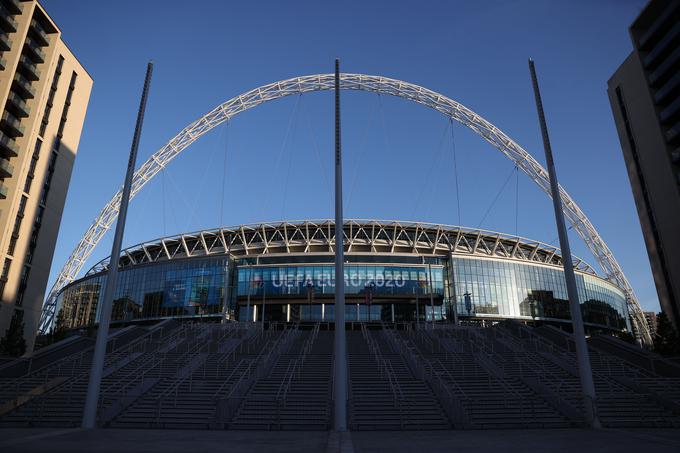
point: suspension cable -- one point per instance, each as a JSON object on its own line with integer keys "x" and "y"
{"x": 429, "y": 175}
{"x": 203, "y": 182}
{"x": 317, "y": 151}
{"x": 279, "y": 157}
{"x": 293, "y": 127}
{"x": 354, "y": 171}
{"x": 507, "y": 180}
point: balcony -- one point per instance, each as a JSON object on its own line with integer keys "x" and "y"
{"x": 6, "y": 169}
{"x": 17, "y": 105}
{"x": 11, "y": 125}
{"x": 33, "y": 50}
{"x": 8, "y": 147}
{"x": 3, "y": 191}
{"x": 7, "y": 22}
{"x": 13, "y": 6}
{"x": 3, "y": 63}
{"x": 39, "y": 34}
{"x": 28, "y": 68}
{"x": 22, "y": 86}
{"x": 5, "y": 42}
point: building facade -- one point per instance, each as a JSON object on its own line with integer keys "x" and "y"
{"x": 44, "y": 92}
{"x": 394, "y": 272}
{"x": 645, "y": 98}
{"x": 650, "y": 316}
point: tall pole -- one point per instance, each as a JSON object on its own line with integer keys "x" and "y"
{"x": 340, "y": 376}
{"x": 93, "y": 388}
{"x": 585, "y": 371}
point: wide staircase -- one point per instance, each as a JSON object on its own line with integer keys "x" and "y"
{"x": 184, "y": 396}
{"x": 55, "y": 394}
{"x": 189, "y": 375}
{"x": 623, "y": 399}
{"x": 296, "y": 392}
{"x": 384, "y": 393}
{"x": 491, "y": 394}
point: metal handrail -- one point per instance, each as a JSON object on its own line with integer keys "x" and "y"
{"x": 77, "y": 361}
{"x": 453, "y": 404}
{"x": 294, "y": 368}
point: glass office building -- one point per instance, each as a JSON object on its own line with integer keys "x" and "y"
{"x": 394, "y": 272}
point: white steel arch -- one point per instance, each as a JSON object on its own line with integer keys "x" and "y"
{"x": 361, "y": 82}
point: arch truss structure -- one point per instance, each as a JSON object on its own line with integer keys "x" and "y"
{"x": 361, "y": 236}
{"x": 360, "y": 82}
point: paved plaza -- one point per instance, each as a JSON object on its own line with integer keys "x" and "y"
{"x": 506, "y": 441}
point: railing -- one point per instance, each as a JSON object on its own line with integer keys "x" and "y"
{"x": 227, "y": 405}
{"x": 615, "y": 382}
{"x": 384, "y": 365}
{"x": 526, "y": 363}
{"x": 152, "y": 363}
{"x": 271, "y": 414}
{"x": 423, "y": 369}
{"x": 295, "y": 367}
{"x": 78, "y": 373}
{"x": 493, "y": 357}
{"x": 76, "y": 364}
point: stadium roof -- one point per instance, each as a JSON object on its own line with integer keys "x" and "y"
{"x": 361, "y": 236}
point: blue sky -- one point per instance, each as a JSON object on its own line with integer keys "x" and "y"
{"x": 398, "y": 156}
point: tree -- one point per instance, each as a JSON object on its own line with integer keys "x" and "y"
{"x": 666, "y": 341}
{"x": 60, "y": 330}
{"x": 627, "y": 337}
{"x": 14, "y": 344}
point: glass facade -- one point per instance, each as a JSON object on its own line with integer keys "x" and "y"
{"x": 170, "y": 289}
{"x": 391, "y": 291}
{"x": 359, "y": 279}
{"x": 511, "y": 289}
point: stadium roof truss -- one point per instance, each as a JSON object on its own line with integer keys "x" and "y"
{"x": 376, "y": 84}
{"x": 361, "y": 236}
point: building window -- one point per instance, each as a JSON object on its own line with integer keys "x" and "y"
{"x": 31, "y": 169}
{"x": 50, "y": 98}
{"x": 51, "y": 166}
{"x": 17, "y": 225}
{"x": 4, "y": 275}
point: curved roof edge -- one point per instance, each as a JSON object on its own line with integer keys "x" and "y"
{"x": 361, "y": 236}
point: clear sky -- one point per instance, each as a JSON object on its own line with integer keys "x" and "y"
{"x": 274, "y": 162}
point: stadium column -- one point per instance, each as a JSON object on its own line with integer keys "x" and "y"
{"x": 340, "y": 374}
{"x": 452, "y": 291}
{"x": 585, "y": 371}
{"x": 93, "y": 388}
{"x": 226, "y": 289}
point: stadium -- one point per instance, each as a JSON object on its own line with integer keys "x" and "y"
{"x": 395, "y": 272}
{"x": 445, "y": 327}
